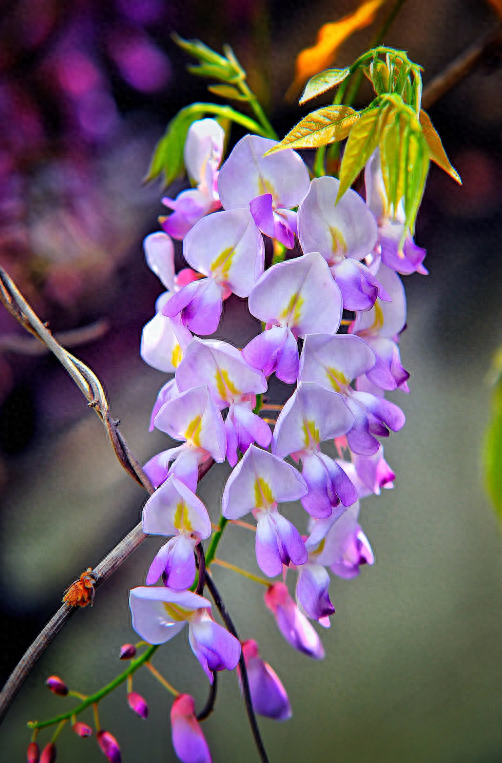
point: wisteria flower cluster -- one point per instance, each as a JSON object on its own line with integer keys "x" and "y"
{"x": 332, "y": 308}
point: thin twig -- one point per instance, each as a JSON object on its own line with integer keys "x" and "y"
{"x": 209, "y": 706}
{"x": 460, "y": 67}
{"x": 246, "y": 691}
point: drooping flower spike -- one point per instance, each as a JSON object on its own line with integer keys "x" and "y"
{"x": 380, "y": 328}
{"x": 390, "y": 222}
{"x": 257, "y": 484}
{"x": 270, "y": 186}
{"x": 203, "y": 152}
{"x": 293, "y": 298}
{"x": 189, "y": 742}
{"x": 159, "y": 614}
{"x": 292, "y": 623}
{"x": 344, "y": 232}
{"x": 174, "y": 510}
{"x": 333, "y": 362}
{"x": 231, "y": 382}
{"x": 311, "y": 416}
{"x": 267, "y": 692}
{"x": 228, "y": 249}
{"x": 191, "y": 416}
{"x": 344, "y": 547}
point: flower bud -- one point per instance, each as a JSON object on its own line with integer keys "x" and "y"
{"x": 293, "y": 625}
{"x": 109, "y": 746}
{"x": 127, "y": 651}
{"x": 138, "y": 704}
{"x": 49, "y": 753}
{"x": 82, "y": 729}
{"x": 267, "y": 692}
{"x": 188, "y": 740}
{"x": 57, "y": 686}
{"x": 33, "y": 753}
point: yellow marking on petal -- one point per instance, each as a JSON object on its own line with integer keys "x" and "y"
{"x": 181, "y": 520}
{"x": 220, "y": 267}
{"x": 336, "y": 378}
{"x": 310, "y": 433}
{"x": 224, "y": 385}
{"x": 193, "y": 430}
{"x": 292, "y": 313}
{"x": 338, "y": 243}
{"x": 263, "y": 496}
{"x": 176, "y": 356}
{"x": 379, "y": 319}
{"x": 265, "y": 186}
{"x": 176, "y": 612}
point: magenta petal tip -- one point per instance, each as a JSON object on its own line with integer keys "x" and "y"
{"x": 109, "y": 746}
{"x": 138, "y": 704}
{"x": 57, "y": 686}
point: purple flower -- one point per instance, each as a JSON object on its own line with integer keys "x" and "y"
{"x": 203, "y": 151}
{"x": 228, "y": 249}
{"x": 270, "y": 185}
{"x": 257, "y": 484}
{"x": 189, "y": 743}
{"x": 127, "y": 651}
{"x": 175, "y": 510}
{"x": 344, "y": 232}
{"x": 312, "y": 592}
{"x": 341, "y": 545}
{"x": 231, "y": 382}
{"x": 332, "y": 362}
{"x": 293, "y": 625}
{"x": 312, "y": 415}
{"x": 191, "y": 416}
{"x": 293, "y": 298}
{"x": 158, "y": 614}
{"x": 267, "y": 692}
{"x": 380, "y": 328}
{"x": 409, "y": 258}
{"x": 82, "y": 729}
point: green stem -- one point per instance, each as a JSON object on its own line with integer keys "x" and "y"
{"x": 253, "y": 101}
{"x": 93, "y": 698}
{"x": 244, "y": 573}
{"x": 211, "y": 551}
{"x": 235, "y": 116}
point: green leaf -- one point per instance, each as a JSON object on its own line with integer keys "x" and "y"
{"x": 492, "y": 451}
{"x": 319, "y": 128}
{"x": 417, "y": 165}
{"x": 214, "y": 72}
{"x": 197, "y": 49}
{"x": 378, "y": 73}
{"x": 438, "y": 154}
{"x": 323, "y": 82}
{"x": 228, "y": 92}
{"x": 363, "y": 140}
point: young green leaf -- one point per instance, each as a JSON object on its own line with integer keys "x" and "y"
{"x": 319, "y": 128}
{"x": 197, "y": 49}
{"x": 228, "y": 92}
{"x": 417, "y": 165}
{"x": 323, "y": 82}
{"x": 437, "y": 152}
{"x": 363, "y": 140}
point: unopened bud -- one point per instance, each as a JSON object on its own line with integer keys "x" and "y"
{"x": 127, "y": 651}
{"x": 33, "y": 753}
{"x": 82, "y": 729}
{"x": 49, "y": 753}
{"x": 109, "y": 746}
{"x": 57, "y": 686}
{"x": 138, "y": 704}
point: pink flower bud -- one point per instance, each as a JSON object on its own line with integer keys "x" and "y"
{"x": 188, "y": 740}
{"x": 293, "y": 625}
{"x": 49, "y": 753}
{"x": 82, "y": 729}
{"x": 138, "y": 704}
{"x": 109, "y": 746}
{"x": 33, "y": 753}
{"x": 127, "y": 651}
{"x": 57, "y": 686}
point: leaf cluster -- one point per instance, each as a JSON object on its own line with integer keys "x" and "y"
{"x": 393, "y": 122}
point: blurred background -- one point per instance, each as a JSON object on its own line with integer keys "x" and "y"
{"x": 414, "y": 656}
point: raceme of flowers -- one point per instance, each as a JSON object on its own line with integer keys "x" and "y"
{"x": 340, "y": 270}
